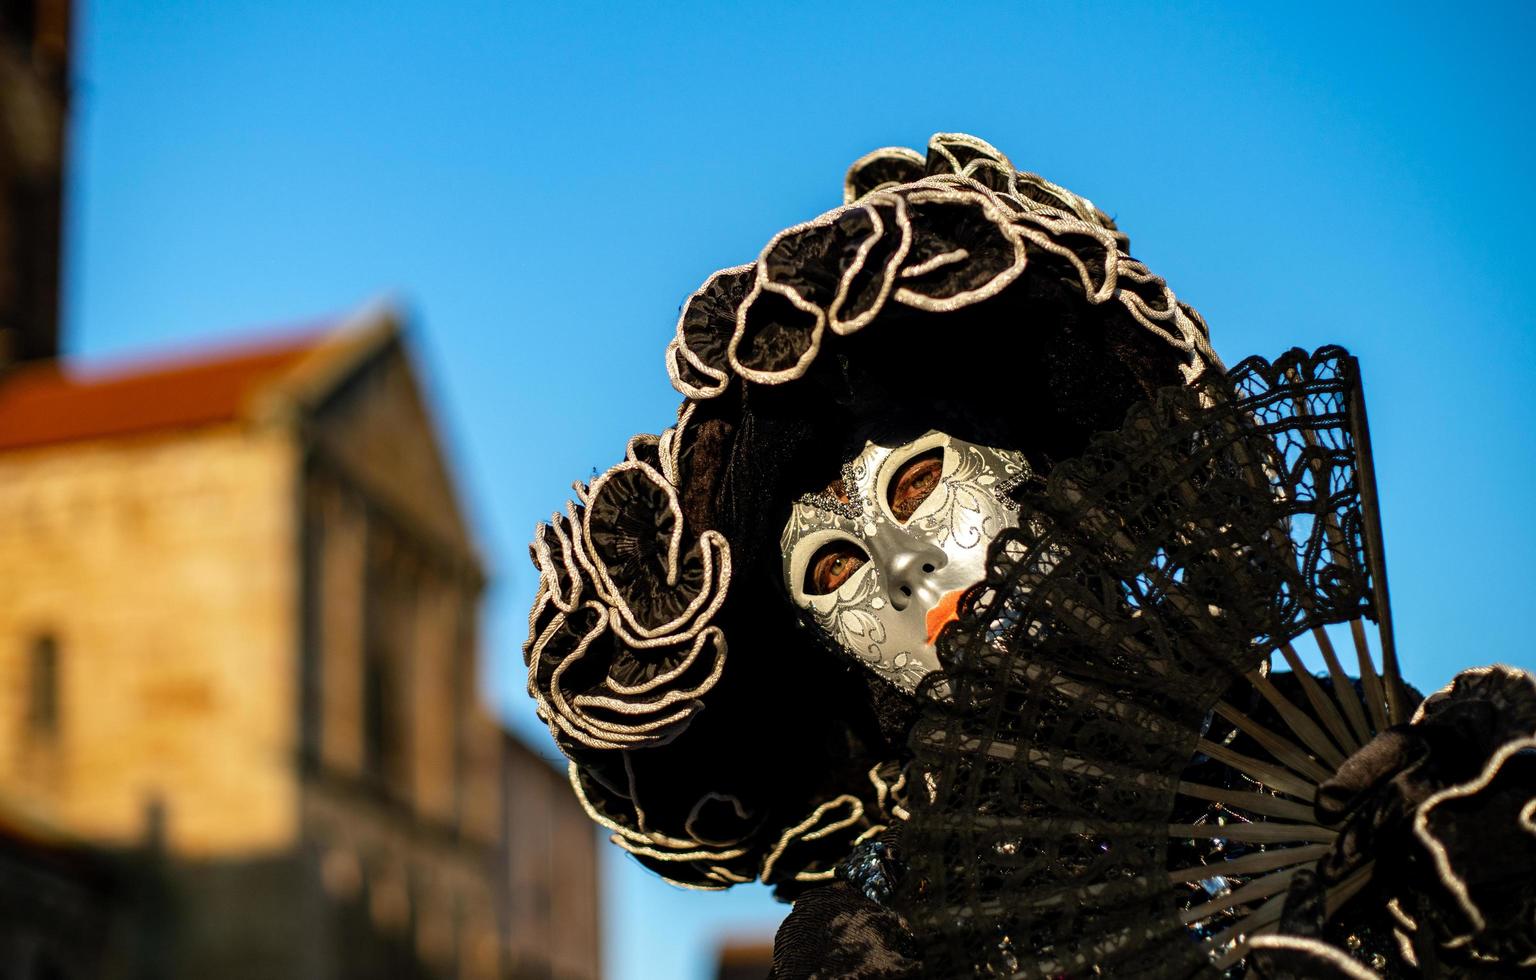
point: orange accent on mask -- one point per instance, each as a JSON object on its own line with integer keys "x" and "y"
{"x": 945, "y": 612}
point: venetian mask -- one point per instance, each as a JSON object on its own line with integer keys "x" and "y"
{"x": 880, "y": 559}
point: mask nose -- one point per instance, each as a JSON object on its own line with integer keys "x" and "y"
{"x": 909, "y": 565}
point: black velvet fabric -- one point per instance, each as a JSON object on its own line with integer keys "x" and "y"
{"x": 1445, "y": 809}
{"x": 835, "y": 932}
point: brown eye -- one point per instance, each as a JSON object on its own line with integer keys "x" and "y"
{"x": 831, "y": 566}
{"x": 914, "y": 481}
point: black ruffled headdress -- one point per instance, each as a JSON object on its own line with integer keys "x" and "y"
{"x": 717, "y": 741}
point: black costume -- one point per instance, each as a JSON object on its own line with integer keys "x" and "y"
{"x": 1104, "y": 777}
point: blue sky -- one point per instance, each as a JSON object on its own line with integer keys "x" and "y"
{"x": 540, "y": 186}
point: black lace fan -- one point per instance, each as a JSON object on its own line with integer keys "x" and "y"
{"x": 1118, "y": 784}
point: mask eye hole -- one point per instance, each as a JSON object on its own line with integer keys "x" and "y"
{"x": 912, "y": 483}
{"x": 832, "y": 565}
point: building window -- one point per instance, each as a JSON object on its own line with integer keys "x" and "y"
{"x": 43, "y": 687}
{"x": 388, "y": 635}
{"x": 378, "y": 725}
{"x": 378, "y": 689}
{"x": 311, "y": 611}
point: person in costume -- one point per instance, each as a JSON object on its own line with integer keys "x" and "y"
{"x": 769, "y": 640}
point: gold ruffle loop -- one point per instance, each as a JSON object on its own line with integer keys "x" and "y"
{"x": 966, "y": 249}
{"x": 935, "y": 245}
{"x": 711, "y": 847}
{"x": 836, "y": 270}
{"x": 620, "y": 649}
{"x": 1488, "y": 927}
{"x": 696, "y": 358}
{"x": 967, "y": 157}
{"x": 632, "y": 535}
{"x": 935, "y": 233}
{"x": 716, "y": 840}
{"x": 889, "y": 166}
{"x": 809, "y": 851}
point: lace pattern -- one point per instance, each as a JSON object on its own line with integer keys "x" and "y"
{"x": 1148, "y": 577}
{"x": 1089, "y": 765}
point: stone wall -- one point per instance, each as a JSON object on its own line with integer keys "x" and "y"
{"x": 161, "y": 571}
{"x": 393, "y": 805}
{"x": 552, "y": 887}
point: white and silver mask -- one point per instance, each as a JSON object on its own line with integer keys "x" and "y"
{"x": 880, "y": 559}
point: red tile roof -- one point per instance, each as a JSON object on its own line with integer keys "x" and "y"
{"x": 49, "y": 403}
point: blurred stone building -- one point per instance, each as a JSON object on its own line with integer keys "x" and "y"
{"x": 238, "y": 652}
{"x": 240, "y": 729}
{"x": 744, "y": 959}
